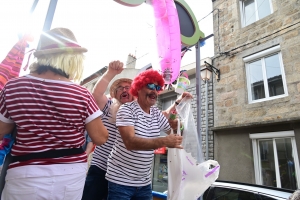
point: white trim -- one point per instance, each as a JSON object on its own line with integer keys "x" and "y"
{"x": 296, "y": 161}
{"x": 262, "y": 53}
{"x": 278, "y": 181}
{"x": 283, "y": 74}
{"x": 256, "y": 158}
{"x": 272, "y": 135}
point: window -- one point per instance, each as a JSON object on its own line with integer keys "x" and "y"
{"x": 232, "y": 194}
{"x": 254, "y": 10}
{"x": 265, "y": 75}
{"x": 275, "y": 159}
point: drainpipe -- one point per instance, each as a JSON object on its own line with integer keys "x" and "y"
{"x": 198, "y": 94}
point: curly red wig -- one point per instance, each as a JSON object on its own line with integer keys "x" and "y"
{"x": 142, "y": 79}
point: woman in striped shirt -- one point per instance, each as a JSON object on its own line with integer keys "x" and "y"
{"x": 51, "y": 114}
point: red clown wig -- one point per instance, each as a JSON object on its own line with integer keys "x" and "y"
{"x": 142, "y": 79}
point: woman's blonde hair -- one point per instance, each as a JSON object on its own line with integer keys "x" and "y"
{"x": 71, "y": 64}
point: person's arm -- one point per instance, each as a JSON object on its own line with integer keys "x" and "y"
{"x": 89, "y": 148}
{"x": 114, "y": 68}
{"x": 97, "y": 131}
{"x": 172, "y": 107}
{"x": 132, "y": 142}
{"x": 5, "y": 128}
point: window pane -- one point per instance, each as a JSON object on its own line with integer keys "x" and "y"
{"x": 256, "y": 80}
{"x": 274, "y": 75}
{"x": 267, "y": 163}
{"x": 286, "y": 163}
{"x": 264, "y": 8}
{"x": 224, "y": 193}
{"x": 249, "y": 12}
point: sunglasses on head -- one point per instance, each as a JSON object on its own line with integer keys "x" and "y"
{"x": 152, "y": 86}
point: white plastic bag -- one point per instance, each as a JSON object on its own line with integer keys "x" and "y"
{"x": 188, "y": 180}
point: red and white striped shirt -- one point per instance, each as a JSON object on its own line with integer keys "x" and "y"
{"x": 49, "y": 114}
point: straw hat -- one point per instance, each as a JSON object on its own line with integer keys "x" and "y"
{"x": 58, "y": 40}
{"x": 114, "y": 85}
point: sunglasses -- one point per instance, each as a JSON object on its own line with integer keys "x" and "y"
{"x": 152, "y": 86}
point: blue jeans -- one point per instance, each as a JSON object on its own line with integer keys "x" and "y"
{"x": 122, "y": 192}
{"x": 95, "y": 187}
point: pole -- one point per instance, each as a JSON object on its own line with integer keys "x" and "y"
{"x": 198, "y": 94}
{"x": 50, "y": 14}
{"x": 206, "y": 119}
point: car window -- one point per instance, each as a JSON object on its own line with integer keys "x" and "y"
{"x": 231, "y": 194}
{"x": 266, "y": 198}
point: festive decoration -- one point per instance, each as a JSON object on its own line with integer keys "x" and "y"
{"x": 182, "y": 82}
{"x": 11, "y": 65}
{"x": 167, "y": 39}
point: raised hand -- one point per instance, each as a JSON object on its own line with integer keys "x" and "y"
{"x": 115, "y": 67}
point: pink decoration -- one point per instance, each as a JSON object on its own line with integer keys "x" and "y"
{"x": 168, "y": 39}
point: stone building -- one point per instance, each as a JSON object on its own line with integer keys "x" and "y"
{"x": 257, "y": 101}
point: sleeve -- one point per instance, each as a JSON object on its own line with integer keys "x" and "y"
{"x": 4, "y": 115}
{"x": 93, "y": 110}
{"x": 125, "y": 116}
{"x": 106, "y": 107}
{"x": 163, "y": 122}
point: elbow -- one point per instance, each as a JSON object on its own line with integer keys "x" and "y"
{"x": 102, "y": 139}
{"x": 128, "y": 146}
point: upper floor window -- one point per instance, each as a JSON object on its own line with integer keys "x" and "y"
{"x": 254, "y": 10}
{"x": 265, "y": 75}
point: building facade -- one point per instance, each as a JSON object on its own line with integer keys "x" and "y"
{"x": 257, "y": 101}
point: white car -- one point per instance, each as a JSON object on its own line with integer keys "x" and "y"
{"x": 223, "y": 190}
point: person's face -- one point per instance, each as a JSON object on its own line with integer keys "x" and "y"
{"x": 122, "y": 92}
{"x": 148, "y": 94}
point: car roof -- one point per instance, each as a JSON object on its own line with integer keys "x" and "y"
{"x": 268, "y": 191}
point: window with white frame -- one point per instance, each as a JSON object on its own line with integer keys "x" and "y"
{"x": 276, "y": 160}
{"x": 265, "y": 75}
{"x": 254, "y": 10}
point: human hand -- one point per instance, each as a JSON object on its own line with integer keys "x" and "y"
{"x": 173, "y": 141}
{"x": 115, "y": 67}
{"x": 173, "y": 123}
{"x": 183, "y": 95}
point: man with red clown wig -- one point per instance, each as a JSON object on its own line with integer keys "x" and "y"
{"x": 139, "y": 124}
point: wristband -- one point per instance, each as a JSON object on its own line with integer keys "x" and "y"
{"x": 176, "y": 103}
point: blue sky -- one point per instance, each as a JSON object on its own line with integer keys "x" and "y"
{"x": 109, "y": 31}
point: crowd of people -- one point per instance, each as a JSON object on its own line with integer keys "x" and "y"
{"x": 59, "y": 122}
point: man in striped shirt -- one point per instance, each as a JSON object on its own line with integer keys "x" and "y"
{"x": 139, "y": 124}
{"x": 95, "y": 187}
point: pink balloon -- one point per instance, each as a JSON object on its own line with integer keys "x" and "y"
{"x": 168, "y": 38}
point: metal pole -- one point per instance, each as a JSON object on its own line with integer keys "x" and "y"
{"x": 50, "y": 14}
{"x": 198, "y": 93}
{"x": 206, "y": 118}
{"x": 33, "y": 6}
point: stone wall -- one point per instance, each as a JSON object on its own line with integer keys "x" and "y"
{"x": 233, "y": 42}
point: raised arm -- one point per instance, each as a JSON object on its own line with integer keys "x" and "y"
{"x": 133, "y": 142}
{"x": 114, "y": 68}
{"x": 178, "y": 100}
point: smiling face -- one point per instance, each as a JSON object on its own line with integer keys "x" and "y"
{"x": 122, "y": 93}
{"x": 147, "y": 97}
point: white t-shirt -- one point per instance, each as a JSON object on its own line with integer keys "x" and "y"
{"x": 133, "y": 168}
